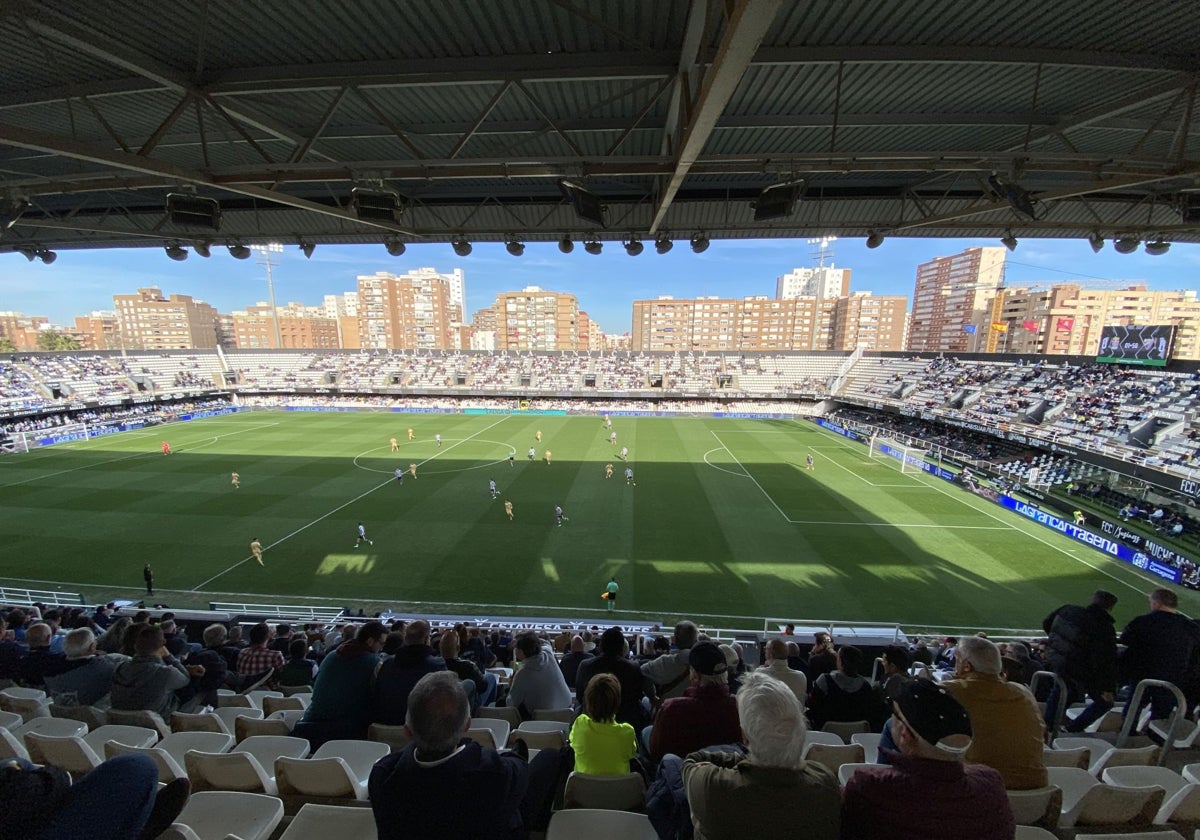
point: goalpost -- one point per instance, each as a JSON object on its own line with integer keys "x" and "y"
{"x": 911, "y": 458}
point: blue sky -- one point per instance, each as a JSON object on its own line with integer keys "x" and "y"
{"x": 606, "y": 285}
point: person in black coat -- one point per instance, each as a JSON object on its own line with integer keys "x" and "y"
{"x": 1082, "y": 651}
{"x": 612, "y": 660}
{"x": 1160, "y": 645}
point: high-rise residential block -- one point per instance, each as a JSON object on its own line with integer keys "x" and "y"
{"x": 824, "y": 281}
{"x": 952, "y": 299}
{"x": 97, "y": 331}
{"x": 300, "y": 328}
{"x": 150, "y": 321}
{"x": 870, "y": 322}
{"x": 406, "y": 312}
{"x": 535, "y": 319}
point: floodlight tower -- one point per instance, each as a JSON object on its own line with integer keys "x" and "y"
{"x": 822, "y": 247}
{"x": 264, "y": 251}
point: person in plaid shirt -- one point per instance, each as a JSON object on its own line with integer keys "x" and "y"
{"x": 258, "y": 658}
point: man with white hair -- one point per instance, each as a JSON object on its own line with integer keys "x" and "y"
{"x": 928, "y": 792}
{"x": 41, "y": 661}
{"x": 777, "y": 667}
{"x": 87, "y": 678}
{"x": 1008, "y": 729}
{"x": 758, "y": 794}
{"x": 420, "y": 791}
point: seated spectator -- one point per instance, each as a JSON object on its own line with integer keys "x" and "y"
{"x": 40, "y": 662}
{"x": 176, "y": 642}
{"x": 762, "y": 793}
{"x": 397, "y": 676}
{"x": 538, "y": 682}
{"x": 204, "y": 689}
{"x": 822, "y": 659}
{"x": 844, "y": 694}
{"x": 927, "y": 792}
{"x": 477, "y": 651}
{"x": 614, "y": 659}
{"x": 257, "y": 663}
{"x": 706, "y": 713}
{"x": 602, "y": 746}
{"x": 420, "y": 791}
{"x": 669, "y": 672}
{"x": 110, "y": 641}
{"x": 895, "y": 660}
{"x": 86, "y": 678}
{"x": 480, "y": 687}
{"x": 571, "y": 660}
{"x": 11, "y": 653}
{"x": 149, "y": 680}
{"x": 341, "y": 703}
{"x": 777, "y": 667}
{"x": 1007, "y": 731}
{"x": 299, "y": 669}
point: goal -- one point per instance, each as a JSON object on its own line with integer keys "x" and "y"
{"x": 911, "y": 458}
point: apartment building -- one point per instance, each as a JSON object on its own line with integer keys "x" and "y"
{"x": 819, "y": 282}
{"x": 406, "y": 312}
{"x": 97, "y": 331}
{"x": 536, "y": 319}
{"x": 150, "y": 321}
{"x": 300, "y": 328}
{"x": 952, "y": 300}
{"x": 870, "y": 322}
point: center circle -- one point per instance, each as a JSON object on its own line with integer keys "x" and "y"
{"x": 428, "y": 465}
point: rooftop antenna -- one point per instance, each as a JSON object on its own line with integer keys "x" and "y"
{"x": 822, "y": 247}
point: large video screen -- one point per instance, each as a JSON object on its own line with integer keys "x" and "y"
{"x": 1137, "y": 344}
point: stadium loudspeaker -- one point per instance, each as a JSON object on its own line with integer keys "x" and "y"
{"x": 192, "y": 211}
{"x": 395, "y": 379}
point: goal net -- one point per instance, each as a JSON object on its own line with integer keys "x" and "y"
{"x": 911, "y": 459}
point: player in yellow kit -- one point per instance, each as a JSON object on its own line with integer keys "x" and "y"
{"x": 547, "y": 457}
{"x": 539, "y": 436}
{"x": 395, "y": 445}
{"x": 235, "y": 480}
{"x": 508, "y": 510}
{"x": 256, "y": 550}
{"x": 412, "y": 468}
{"x": 411, "y": 436}
{"x": 608, "y": 468}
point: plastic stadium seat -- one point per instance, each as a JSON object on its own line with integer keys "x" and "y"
{"x": 1182, "y": 804}
{"x": 1087, "y": 801}
{"x": 296, "y": 690}
{"x": 11, "y": 746}
{"x": 177, "y": 744}
{"x": 846, "y": 729}
{"x": 822, "y": 738}
{"x": 213, "y": 815}
{"x": 320, "y": 822}
{"x": 847, "y": 770}
{"x": 360, "y": 755}
{"x": 168, "y": 768}
{"x": 1077, "y": 757}
{"x": 272, "y": 704}
{"x": 394, "y": 736}
{"x": 538, "y": 739}
{"x": 1127, "y": 757}
{"x": 1024, "y": 832}
{"x": 247, "y": 727}
{"x": 1041, "y": 806}
{"x": 626, "y": 792}
{"x": 1186, "y": 733}
{"x": 505, "y": 713}
{"x": 288, "y": 716}
{"x": 54, "y": 727}
{"x": 594, "y": 824}
{"x": 69, "y": 752}
{"x": 566, "y": 716}
{"x": 204, "y": 722}
{"x": 11, "y": 720}
{"x": 267, "y": 748}
{"x": 328, "y": 778}
{"x": 1191, "y": 773}
{"x": 834, "y": 757}
{"x": 259, "y": 695}
{"x": 231, "y": 699}
{"x": 150, "y": 720}
{"x": 90, "y": 715}
{"x": 29, "y": 703}
{"x": 228, "y": 771}
{"x": 133, "y": 736}
{"x": 869, "y": 741}
{"x": 230, "y": 714}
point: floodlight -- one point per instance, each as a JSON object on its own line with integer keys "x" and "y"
{"x": 586, "y": 204}
{"x": 1096, "y": 240}
{"x": 1018, "y": 199}
{"x": 376, "y": 205}
{"x": 663, "y": 244}
{"x": 1010, "y": 241}
{"x": 203, "y": 248}
{"x": 239, "y": 251}
{"x": 565, "y": 245}
{"x": 1158, "y": 247}
{"x": 1126, "y": 244}
{"x": 307, "y": 249}
{"x": 593, "y": 246}
{"x": 47, "y": 256}
{"x": 699, "y": 243}
{"x": 461, "y": 247}
{"x": 176, "y": 252}
{"x": 874, "y": 239}
{"x": 514, "y": 247}
{"x": 777, "y": 201}
{"x": 193, "y": 211}
{"x": 395, "y": 247}
{"x": 634, "y": 247}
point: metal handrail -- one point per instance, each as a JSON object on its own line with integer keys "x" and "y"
{"x": 1061, "y": 711}
{"x": 1133, "y": 712}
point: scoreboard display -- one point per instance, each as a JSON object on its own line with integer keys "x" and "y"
{"x": 1137, "y": 344}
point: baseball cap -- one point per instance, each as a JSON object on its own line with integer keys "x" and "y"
{"x": 933, "y": 714}
{"x": 707, "y": 659}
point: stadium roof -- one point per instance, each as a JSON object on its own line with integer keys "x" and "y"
{"x": 902, "y": 117}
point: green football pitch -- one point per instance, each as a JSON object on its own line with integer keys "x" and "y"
{"x": 725, "y": 523}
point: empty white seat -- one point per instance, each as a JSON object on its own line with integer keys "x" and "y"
{"x": 93, "y": 717}
{"x": 596, "y": 824}
{"x": 256, "y": 697}
{"x": 10, "y": 720}
{"x": 1191, "y": 773}
{"x": 834, "y": 756}
{"x": 133, "y": 736}
{"x": 178, "y": 743}
{"x": 202, "y": 722}
{"x": 1024, "y": 832}
{"x": 1186, "y": 732}
{"x": 228, "y": 771}
{"x": 846, "y": 729}
{"x": 54, "y": 727}
{"x": 150, "y": 720}
{"x": 869, "y": 741}
{"x": 850, "y": 768}
{"x": 359, "y": 755}
{"x": 822, "y": 738}
{"x": 11, "y": 746}
{"x": 267, "y": 748}
{"x": 69, "y": 752}
{"x": 230, "y": 714}
{"x": 394, "y": 736}
{"x": 1040, "y": 806}
{"x": 505, "y": 713}
{"x": 248, "y": 727}
{"x": 168, "y": 768}
{"x": 626, "y": 792}
{"x": 213, "y": 815}
{"x": 552, "y": 738}
{"x": 320, "y": 822}
{"x": 1182, "y": 801}
{"x": 498, "y": 728}
{"x": 272, "y": 704}
{"x": 1077, "y": 757}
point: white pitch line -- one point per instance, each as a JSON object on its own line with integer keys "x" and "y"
{"x": 752, "y": 478}
{"x": 266, "y": 548}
